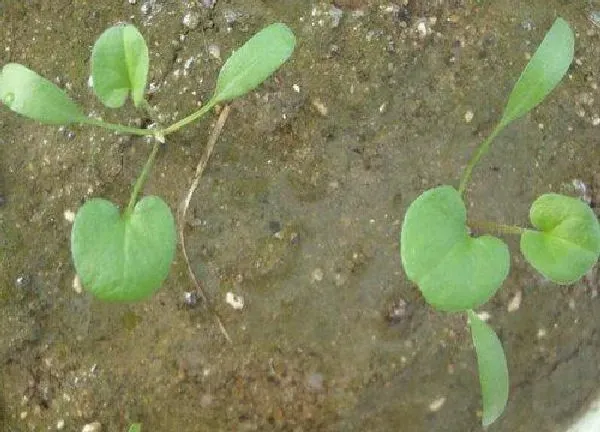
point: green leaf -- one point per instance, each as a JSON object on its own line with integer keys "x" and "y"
{"x": 135, "y": 427}
{"x": 493, "y": 371}
{"x": 27, "y": 93}
{"x": 120, "y": 65}
{"x": 254, "y": 62}
{"x": 123, "y": 257}
{"x": 453, "y": 270}
{"x": 567, "y": 244}
{"x": 543, "y": 72}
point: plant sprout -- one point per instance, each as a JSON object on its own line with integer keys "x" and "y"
{"x": 457, "y": 272}
{"x": 126, "y": 255}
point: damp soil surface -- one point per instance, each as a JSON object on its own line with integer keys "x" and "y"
{"x": 298, "y": 213}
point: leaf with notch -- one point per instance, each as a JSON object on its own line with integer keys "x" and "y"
{"x": 453, "y": 270}
{"x": 567, "y": 244}
{"x": 31, "y": 95}
{"x": 254, "y": 62}
{"x": 493, "y": 371}
{"x": 543, "y": 72}
{"x": 120, "y": 65}
{"x": 123, "y": 257}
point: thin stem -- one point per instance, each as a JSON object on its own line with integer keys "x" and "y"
{"x": 119, "y": 127}
{"x": 481, "y": 150}
{"x": 139, "y": 183}
{"x": 192, "y": 117}
{"x": 496, "y": 227}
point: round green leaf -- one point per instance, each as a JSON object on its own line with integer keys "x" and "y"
{"x": 493, "y": 371}
{"x": 567, "y": 244}
{"x": 123, "y": 257}
{"x": 453, "y": 270}
{"x": 120, "y": 65}
{"x": 27, "y": 93}
{"x": 254, "y": 62}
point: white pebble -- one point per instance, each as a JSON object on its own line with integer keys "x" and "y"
{"x": 77, "y": 285}
{"x": 214, "y": 51}
{"x": 60, "y": 425}
{"x": 437, "y": 404}
{"x": 235, "y": 301}
{"x": 69, "y": 216}
{"x": 92, "y": 427}
{"x": 469, "y": 116}
{"x": 190, "y": 20}
{"x": 515, "y": 302}
{"x": 484, "y": 316}
{"x": 317, "y": 275}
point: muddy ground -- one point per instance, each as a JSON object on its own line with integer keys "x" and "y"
{"x": 299, "y": 213}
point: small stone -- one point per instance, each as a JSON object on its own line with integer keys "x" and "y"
{"x": 214, "y": 51}
{"x": 469, "y": 116}
{"x": 69, "y": 215}
{"x": 320, "y": 107}
{"x": 235, "y": 301}
{"x": 190, "y": 298}
{"x": 77, "y": 285}
{"x": 437, "y": 404}
{"x": 515, "y": 302}
{"x": 190, "y": 20}
{"x": 317, "y": 275}
{"x": 60, "y": 424}
{"x": 92, "y": 427}
{"x": 132, "y": 2}
{"x": 484, "y": 316}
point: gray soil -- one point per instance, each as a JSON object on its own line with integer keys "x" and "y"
{"x": 298, "y": 212}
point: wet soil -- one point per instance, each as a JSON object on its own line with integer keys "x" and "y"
{"x": 298, "y": 212}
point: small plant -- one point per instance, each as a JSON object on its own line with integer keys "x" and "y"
{"x": 126, "y": 256}
{"x": 457, "y": 272}
{"x": 135, "y": 427}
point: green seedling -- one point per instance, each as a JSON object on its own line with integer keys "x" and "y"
{"x": 126, "y": 255}
{"x": 135, "y": 427}
{"x": 457, "y": 272}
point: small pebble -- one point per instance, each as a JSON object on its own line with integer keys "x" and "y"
{"x": 214, "y": 51}
{"x": 190, "y": 298}
{"x": 69, "y": 216}
{"x": 190, "y": 20}
{"x": 92, "y": 427}
{"x": 484, "y": 316}
{"x": 469, "y": 116}
{"x": 317, "y": 275}
{"x": 60, "y": 425}
{"x": 515, "y": 302}
{"x": 235, "y": 301}
{"x": 77, "y": 285}
{"x": 437, "y": 404}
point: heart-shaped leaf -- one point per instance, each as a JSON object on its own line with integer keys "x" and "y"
{"x": 453, "y": 270}
{"x": 543, "y": 72}
{"x": 567, "y": 244}
{"x": 123, "y": 257}
{"x": 493, "y": 371}
{"x": 254, "y": 62}
{"x": 120, "y": 65}
{"x": 27, "y": 93}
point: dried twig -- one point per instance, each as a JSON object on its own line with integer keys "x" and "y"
{"x": 183, "y": 210}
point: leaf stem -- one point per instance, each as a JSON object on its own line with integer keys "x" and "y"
{"x": 119, "y": 127}
{"x": 192, "y": 117}
{"x": 139, "y": 183}
{"x": 496, "y": 227}
{"x": 481, "y": 150}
